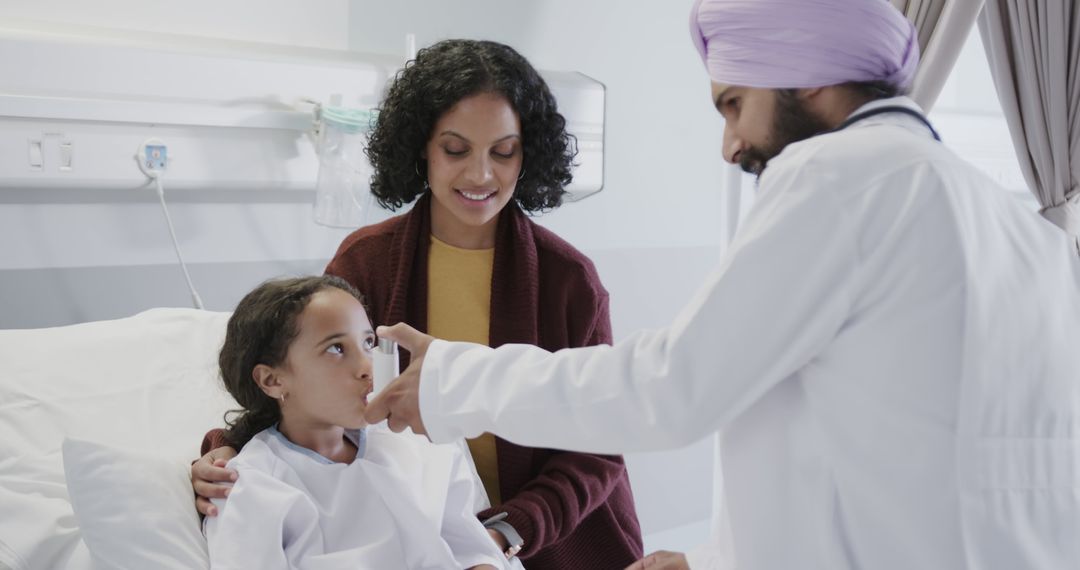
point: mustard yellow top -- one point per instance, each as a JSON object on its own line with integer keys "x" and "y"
{"x": 459, "y": 308}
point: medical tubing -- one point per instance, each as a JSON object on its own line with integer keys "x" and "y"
{"x": 176, "y": 245}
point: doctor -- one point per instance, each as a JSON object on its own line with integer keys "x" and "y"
{"x": 891, "y": 345}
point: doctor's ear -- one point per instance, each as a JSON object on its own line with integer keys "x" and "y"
{"x": 808, "y": 93}
{"x": 268, "y": 380}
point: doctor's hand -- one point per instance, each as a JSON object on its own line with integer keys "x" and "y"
{"x": 211, "y": 480}
{"x": 399, "y": 402}
{"x": 661, "y": 560}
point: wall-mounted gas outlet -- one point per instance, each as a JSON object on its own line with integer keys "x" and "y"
{"x": 156, "y": 157}
{"x": 152, "y": 157}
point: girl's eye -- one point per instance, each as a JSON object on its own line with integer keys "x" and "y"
{"x": 336, "y": 348}
{"x": 455, "y": 151}
{"x": 369, "y": 343}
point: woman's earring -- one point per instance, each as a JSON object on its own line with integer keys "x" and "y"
{"x": 522, "y": 175}
{"x": 282, "y": 398}
{"x": 416, "y": 168}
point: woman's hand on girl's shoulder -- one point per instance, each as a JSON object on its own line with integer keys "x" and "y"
{"x": 211, "y": 480}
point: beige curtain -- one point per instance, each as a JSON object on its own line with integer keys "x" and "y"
{"x": 1034, "y": 52}
{"x": 943, "y": 27}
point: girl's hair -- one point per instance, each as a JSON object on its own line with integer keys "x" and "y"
{"x": 439, "y": 77}
{"x": 260, "y": 331}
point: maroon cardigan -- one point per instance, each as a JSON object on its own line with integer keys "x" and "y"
{"x": 574, "y": 510}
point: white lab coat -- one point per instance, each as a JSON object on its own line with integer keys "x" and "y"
{"x": 891, "y": 346}
{"x": 407, "y": 503}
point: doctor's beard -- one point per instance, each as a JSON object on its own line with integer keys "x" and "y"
{"x": 792, "y": 122}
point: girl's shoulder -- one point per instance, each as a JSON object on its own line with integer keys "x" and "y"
{"x": 258, "y": 454}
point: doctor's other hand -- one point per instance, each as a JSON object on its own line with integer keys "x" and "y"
{"x": 661, "y": 560}
{"x": 399, "y": 402}
{"x": 211, "y": 480}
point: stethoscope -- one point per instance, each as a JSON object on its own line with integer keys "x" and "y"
{"x": 889, "y": 109}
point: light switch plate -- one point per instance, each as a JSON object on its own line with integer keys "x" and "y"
{"x": 66, "y": 149}
{"x": 35, "y": 156}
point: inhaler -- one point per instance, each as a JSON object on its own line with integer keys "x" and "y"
{"x": 384, "y": 364}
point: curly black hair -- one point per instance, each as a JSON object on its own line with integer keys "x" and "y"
{"x": 260, "y": 331}
{"x": 439, "y": 77}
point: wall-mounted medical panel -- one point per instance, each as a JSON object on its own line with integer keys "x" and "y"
{"x": 76, "y": 105}
{"x": 582, "y": 101}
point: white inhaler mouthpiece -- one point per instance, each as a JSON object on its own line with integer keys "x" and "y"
{"x": 384, "y": 364}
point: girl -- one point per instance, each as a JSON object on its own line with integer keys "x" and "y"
{"x": 315, "y": 487}
{"x": 471, "y": 135}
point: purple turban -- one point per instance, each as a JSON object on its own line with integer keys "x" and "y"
{"x": 789, "y": 44}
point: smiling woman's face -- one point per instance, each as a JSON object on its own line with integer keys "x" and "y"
{"x": 474, "y": 158}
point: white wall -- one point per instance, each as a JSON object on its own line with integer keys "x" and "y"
{"x": 320, "y": 24}
{"x": 76, "y": 255}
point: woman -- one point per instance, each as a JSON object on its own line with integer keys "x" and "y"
{"x": 472, "y": 133}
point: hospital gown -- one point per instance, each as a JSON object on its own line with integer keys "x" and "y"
{"x": 406, "y": 503}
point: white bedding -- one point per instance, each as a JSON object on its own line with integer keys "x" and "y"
{"x": 146, "y": 384}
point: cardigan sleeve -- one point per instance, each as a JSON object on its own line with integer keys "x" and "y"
{"x": 570, "y": 485}
{"x": 600, "y": 328}
{"x": 213, "y": 439}
{"x": 568, "y": 489}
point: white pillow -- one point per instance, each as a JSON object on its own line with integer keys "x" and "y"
{"x": 147, "y": 383}
{"x": 134, "y": 510}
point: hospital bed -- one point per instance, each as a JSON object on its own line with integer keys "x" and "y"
{"x": 98, "y": 425}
